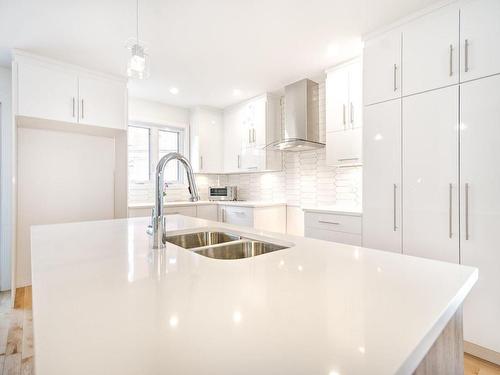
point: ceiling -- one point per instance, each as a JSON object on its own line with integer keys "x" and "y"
{"x": 205, "y": 48}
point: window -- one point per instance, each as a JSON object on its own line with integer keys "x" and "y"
{"x": 147, "y": 144}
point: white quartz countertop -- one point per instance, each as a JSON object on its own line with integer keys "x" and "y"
{"x": 222, "y": 203}
{"x": 338, "y": 210}
{"x": 104, "y": 303}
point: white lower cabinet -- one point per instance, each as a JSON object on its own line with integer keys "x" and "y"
{"x": 382, "y": 176}
{"x": 430, "y": 175}
{"x": 480, "y": 208}
{"x": 207, "y": 212}
{"x": 333, "y": 227}
{"x": 270, "y": 218}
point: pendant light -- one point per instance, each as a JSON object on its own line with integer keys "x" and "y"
{"x": 138, "y": 65}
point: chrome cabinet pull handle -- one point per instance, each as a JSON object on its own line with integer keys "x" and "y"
{"x": 394, "y": 189}
{"x": 201, "y": 162}
{"x": 352, "y": 116}
{"x": 450, "y": 224}
{"x": 239, "y": 161}
{"x": 347, "y": 159}
{"x": 395, "y": 78}
{"x": 73, "y": 106}
{"x": 467, "y": 211}
{"x": 249, "y": 135}
{"x": 83, "y": 111}
{"x": 466, "y": 55}
{"x": 343, "y": 115}
{"x": 451, "y": 60}
{"x": 328, "y": 222}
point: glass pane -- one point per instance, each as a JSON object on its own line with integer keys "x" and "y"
{"x": 138, "y": 153}
{"x": 169, "y": 142}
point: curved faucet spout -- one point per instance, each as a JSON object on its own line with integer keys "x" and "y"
{"x": 158, "y": 222}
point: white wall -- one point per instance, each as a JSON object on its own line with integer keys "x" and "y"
{"x": 157, "y": 113}
{"x": 5, "y": 177}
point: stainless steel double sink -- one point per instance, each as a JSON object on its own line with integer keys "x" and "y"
{"x": 223, "y": 245}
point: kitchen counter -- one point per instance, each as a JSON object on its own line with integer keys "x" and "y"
{"x": 221, "y": 203}
{"x": 336, "y": 210}
{"x": 105, "y": 303}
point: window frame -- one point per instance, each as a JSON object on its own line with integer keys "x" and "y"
{"x": 154, "y": 149}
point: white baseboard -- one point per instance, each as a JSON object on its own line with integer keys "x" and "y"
{"x": 483, "y": 353}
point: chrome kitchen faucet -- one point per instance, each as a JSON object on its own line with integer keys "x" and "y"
{"x": 158, "y": 224}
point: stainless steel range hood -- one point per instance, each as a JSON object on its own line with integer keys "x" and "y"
{"x": 301, "y": 131}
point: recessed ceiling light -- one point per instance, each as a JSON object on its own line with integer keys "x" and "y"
{"x": 174, "y": 90}
{"x": 236, "y": 92}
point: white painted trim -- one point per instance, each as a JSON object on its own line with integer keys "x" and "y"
{"x": 411, "y": 17}
{"x": 20, "y": 56}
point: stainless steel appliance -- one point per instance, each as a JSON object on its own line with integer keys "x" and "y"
{"x": 222, "y": 193}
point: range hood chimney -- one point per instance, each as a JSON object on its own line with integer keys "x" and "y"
{"x": 301, "y": 131}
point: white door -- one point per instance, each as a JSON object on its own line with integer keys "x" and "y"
{"x": 382, "y": 68}
{"x": 237, "y": 215}
{"x": 431, "y": 51}
{"x": 480, "y": 101}
{"x": 382, "y": 176}
{"x": 430, "y": 175}
{"x": 47, "y": 92}
{"x": 207, "y": 212}
{"x": 206, "y": 141}
{"x": 259, "y": 119}
{"x": 102, "y": 102}
{"x": 337, "y": 100}
{"x": 479, "y": 39}
{"x": 356, "y": 95}
{"x": 232, "y": 141}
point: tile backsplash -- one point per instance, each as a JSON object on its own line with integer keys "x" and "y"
{"x": 306, "y": 180}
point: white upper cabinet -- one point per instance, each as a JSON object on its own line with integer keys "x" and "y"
{"x": 337, "y": 100}
{"x": 55, "y": 91}
{"x": 480, "y": 207}
{"x": 382, "y": 68}
{"x": 344, "y": 114}
{"x": 479, "y": 38}
{"x": 206, "y": 133}
{"x": 46, "y": 91}
{"x": 344, "y": 97}
{"x": 102, "y": 102}
{"x": 382, "y": 176}
{"x": 430, "y": 175}
{"x": 248, "y": 128}
{"x": 431, "y": 51}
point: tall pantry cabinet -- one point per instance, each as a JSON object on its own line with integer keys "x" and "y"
{"x": 431, "y": 183}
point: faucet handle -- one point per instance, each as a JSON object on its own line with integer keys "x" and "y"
{"x": 149, "y": 230}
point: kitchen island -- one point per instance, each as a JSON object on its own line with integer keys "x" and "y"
{"x": 105, "y": 303}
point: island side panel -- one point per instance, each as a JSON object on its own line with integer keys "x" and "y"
{"x": 446, "y": 356}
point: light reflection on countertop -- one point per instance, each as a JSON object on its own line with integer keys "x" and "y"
{"x": 105, "y": 303}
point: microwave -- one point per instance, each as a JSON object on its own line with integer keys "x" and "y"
{"x": 222, "y": 193}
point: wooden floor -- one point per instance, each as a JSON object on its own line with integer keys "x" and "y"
{"x": 16, "y": 339}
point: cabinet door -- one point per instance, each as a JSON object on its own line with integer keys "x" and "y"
{"x": 356, "y": 95}
{"x": 232, "y": 141}
{"x": 180, "y": 210}
{"x": 343, "y": 147}
{"x": 337, "y": 100}
{"x": 382, "y": 68}
{"x": 47, "y": 92}
{"x": 479, "y": 38}
{"x": 480, "y": 133}
{"x": 102, "y": 102}
{"x": 207, "y": 212}
{"x": 430, "y": 175}
{"x": 259, "y": 122}
{"x": 333, "y": 236}
{"x": 431, "y": 51}
{"x": 382, "y": 176}
{"x": 206, "y": 133}
{"x": 237, "y": 215}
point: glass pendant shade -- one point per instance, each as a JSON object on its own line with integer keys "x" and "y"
{"x": 138, "y": 65}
